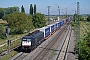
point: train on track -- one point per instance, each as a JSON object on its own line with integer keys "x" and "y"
{"x": 32, "y": 40}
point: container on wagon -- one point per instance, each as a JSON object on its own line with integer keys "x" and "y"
{"x": 52, "y": 28}
{"x": 62, "y": 22}
{"x": 46, "y": 31}
{"x": 56, "y": 25}
{"x": 59, "y": 24}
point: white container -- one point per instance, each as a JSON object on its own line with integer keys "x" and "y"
{"x": 46, "y": 31}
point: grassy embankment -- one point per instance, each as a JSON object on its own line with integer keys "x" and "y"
{"x": 84, "y": 30}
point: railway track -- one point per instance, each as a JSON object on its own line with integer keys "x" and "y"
{"x": 21, "y": 56}
{"x": 43, "y": 55}
{"x": 4, "y": 52}
{"x": 12, "y": 49}
{"x": 63, "y": 51}
{"x": 46, "y": 51}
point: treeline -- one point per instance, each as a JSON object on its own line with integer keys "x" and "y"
{"x": 80, "y": 17}
{"x": 2, "y": 31}
{"x": 8, "y": 10}
{"x": 20, "y": 22}
{"x": 88, "y": 19}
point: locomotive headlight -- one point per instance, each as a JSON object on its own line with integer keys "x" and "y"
{"x": 30, "y": 43}
{"x": 23, "y": 42}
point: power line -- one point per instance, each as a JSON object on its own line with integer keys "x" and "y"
{"x": 67, "y": 9}
{"x": 53, "y": 11}
{"x": 72, "y": 5}
{"x": 74, "y": 11}
{"x": 62, "y": 8}
{"x": 58, "y": 9}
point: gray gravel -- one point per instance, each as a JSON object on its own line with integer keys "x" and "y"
{"x": 71, "y": 52}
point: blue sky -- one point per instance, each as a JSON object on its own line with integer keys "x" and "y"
{"x": 42, "y": 5}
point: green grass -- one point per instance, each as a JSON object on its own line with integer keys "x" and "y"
{"x": 7, "y": 57}
{"x": 13, "y": 44}
{"x": 12, "y": 37}
{"x": 84, "y": 28}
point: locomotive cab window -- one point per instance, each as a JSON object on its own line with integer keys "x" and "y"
{"x": 24, "y": 40}
{"x": 28, "y": 40}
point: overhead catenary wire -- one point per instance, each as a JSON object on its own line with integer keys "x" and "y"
{"x": 67, "y": 8}
{"x": 62, "y": 9}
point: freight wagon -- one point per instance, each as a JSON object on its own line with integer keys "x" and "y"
{"x": 32, "y": 40}
{"x": 46, "y": 31}
{"x": 52, "y": 28}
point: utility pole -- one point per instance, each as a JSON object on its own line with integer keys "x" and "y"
{"x": 78, "y": 22}
{"x": 78, "y": 30}
{"x": 58, "y": 10}
{"x": 66, "y": 12}
{"x": 75, "y": 11}
{"x": 8, "y": 41}
{"x": 48, "y": 14}
{"x": 62, "y": 13}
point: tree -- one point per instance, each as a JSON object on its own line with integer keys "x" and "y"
{"x": 88, "y": 19}
{"x": 31, "y": 23}
{"x": 34, "y": 8}
{"x": 81, "y": 19}
{"x": 18, "y": 22}
{"x": 5, "y": 17}
{"x": 39, "y": 20}
{"x": 11, "y": 10}
{"x": 1, "y": 12}
{"x": 22, "y": 9}
{"x": 8, "y": 10}
{"x": 2, "y": 31}
{"x": 31, "y": 9}
{"x": 74, "y": 17}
